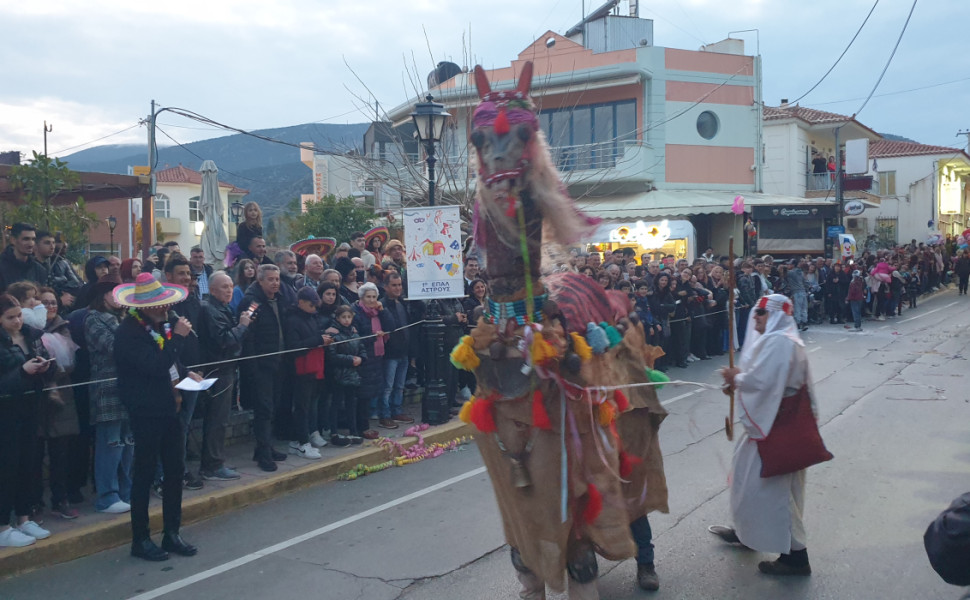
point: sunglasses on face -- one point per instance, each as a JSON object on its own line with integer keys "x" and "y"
{"x": 760, "y": 312}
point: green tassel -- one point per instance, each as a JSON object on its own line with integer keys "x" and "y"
{"x": 657, "y": 377}
{"x": 612, "y": 334}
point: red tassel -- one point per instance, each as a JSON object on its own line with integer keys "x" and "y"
{"x": 540, "y": 418}
{"x": 482, "y": 417}
{"x": 627, "y": 463}
{"x": 510, "y": 209}
{"x": 594, "y": 504}
{"x": 501, "y": 125}
{"x": 622, "y": 404}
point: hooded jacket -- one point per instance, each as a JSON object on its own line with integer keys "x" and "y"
{"x": 13, "y": 270}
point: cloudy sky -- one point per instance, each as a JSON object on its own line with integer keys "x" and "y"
{"x": 91, "y": 68}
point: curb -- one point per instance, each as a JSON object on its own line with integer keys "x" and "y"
{"x": 95, "y": 538}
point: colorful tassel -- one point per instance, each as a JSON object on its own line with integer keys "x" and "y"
{"x": 501, "y": 125}
{"x": 596, "y": 337}
{"x": 606, "y": 414}
{"x": 580, "y": 347}
{"x": 611, "y": 334}
{"x": 540, "y": 418}
{"x": 481, "y": 415}
{"x": 627, "y": 463}
{"x": 622, "y": 403}
{"x": 542, "y": 351}
{"x": 657, "y": 377}
{"x": 466, "y": 411}
{"x": 594, "y": 504}
{"x": 510, "y": 210}
{"x": 463, "y": 356}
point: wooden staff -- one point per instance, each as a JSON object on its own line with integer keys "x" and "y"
{"x": 729, "y": 420}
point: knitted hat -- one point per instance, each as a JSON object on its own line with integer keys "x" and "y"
{"x": 344, "y": 266}
{"x": 309, "y": 294}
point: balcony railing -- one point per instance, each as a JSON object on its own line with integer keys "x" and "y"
{"x": 602, "y": 155}
{"x": 820, "y": 181}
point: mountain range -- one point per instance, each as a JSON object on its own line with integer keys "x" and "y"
{"x": 272, "y": 172}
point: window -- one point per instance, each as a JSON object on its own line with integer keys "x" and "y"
{"x": 887, "y": 183}
{"x": 590, "y": 137}
{"x": 163, "y": 207}
{"x": 194, "y": 213}
{"x": 707, "y": 125}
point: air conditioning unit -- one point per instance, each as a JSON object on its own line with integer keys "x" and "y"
{"x": 856, "y": 223}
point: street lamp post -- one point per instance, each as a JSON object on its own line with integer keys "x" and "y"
{"x": 236, "y": 208}
{"x": 429, "y": 119}
{"x": 112, "y": 223}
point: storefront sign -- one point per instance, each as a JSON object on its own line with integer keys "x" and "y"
{"x": 854, "y": 207}
{"x": 432, "y": 239}
{"x": 824, "y": 211}
{"x": 834, "y": 231}
{"x": 652, "y": 236}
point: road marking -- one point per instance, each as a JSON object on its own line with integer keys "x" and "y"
{"x": 244, "y": 560}
{"x": 929, "y": 312}
{"x": 840, "y": 340}
{"x": 676, "y": 398}
{"x": 816, "y": 348}
{"x": 883, "y": 327}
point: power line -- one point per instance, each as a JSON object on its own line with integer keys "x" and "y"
{"x": 891, "y": 55}
{"x": 104, "y": 137}
{"x": 183, "y": 147}
{"x": 915, "y": 89}
{"x": 858, "y": 31}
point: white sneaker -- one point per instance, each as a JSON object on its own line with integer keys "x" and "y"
{"x": 14, "y": 538}
{"x": 306, "y": 451}
{"x": 33, "y": 530}
{"x": 117, "y": 508}
{"x": 692, "y": 358}
{"x": 317, "y": 440}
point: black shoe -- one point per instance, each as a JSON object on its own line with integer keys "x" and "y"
{"x": 190, "y": 481}
{"x": 647, "y": 577}
{"x": 705, "y": 357}
{"x": 339, "y": 440}
{"x": 266, "y": 464}
{"x": 277, "y": 456}
{"x": 725, "y": 533}
{"x": 147, "y": 550}
{"x": 682, "y": 365}
{"x": 776, "y": 567}
{"x": 173, "y": 542}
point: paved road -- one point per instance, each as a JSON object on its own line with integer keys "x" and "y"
{"x": 894, "y": 408}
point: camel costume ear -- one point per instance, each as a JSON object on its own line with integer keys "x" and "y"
{"x": 525, "y": 79}
{"x": 481, "y": 82}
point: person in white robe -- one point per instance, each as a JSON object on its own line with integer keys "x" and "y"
{"x": 767, "y": 512}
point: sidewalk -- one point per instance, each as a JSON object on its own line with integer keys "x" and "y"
{"x": 93, "y": 532}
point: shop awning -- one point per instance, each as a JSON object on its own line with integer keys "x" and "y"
{"x": 683, "y": 203}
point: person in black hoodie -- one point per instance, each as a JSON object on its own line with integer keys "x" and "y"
{"x": 662, "y": 304}
{"x": 344, "y": 356}
{"x": 260, "y": 377}
{"x": 304, "y": 329}
{"x": 17, "y": 261}
{"x": 832, "y": 288}
{"x": 222, "y": 339}
{"x": 148, "y": 352}
{"x": 320, "y": 413}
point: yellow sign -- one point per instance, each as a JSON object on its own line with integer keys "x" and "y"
{"x": 141, "y": 171}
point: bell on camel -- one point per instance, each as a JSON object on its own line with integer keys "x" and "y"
{"x": 520, "y": 475}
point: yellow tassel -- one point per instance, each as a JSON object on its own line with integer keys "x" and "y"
{"x": 463, "y": 356}
{"x": 542, "y": 351}
{"x": 581, "y": 347}
{"x": 466, "y": 410}
{"x": 606, "y": 413}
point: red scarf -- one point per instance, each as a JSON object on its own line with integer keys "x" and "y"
{"x": 375, "y": 326}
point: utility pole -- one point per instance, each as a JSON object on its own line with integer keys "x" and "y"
{"x": 47, "y": 129}
{"x": 838, "y": 177}
{"x": 148, "y": 202}
{"x": 965, "y": 133}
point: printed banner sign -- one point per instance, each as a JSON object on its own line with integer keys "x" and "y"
{"x": 432, "y": 240}
{"x": 847, "y": 243}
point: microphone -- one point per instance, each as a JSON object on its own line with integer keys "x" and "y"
{"x": 174, "y": 316}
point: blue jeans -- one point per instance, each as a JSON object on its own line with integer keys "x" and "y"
{"x": 856, "y": 306}
{"x": 114, "y": 449}
{"x": 643, "y": 536}
{"x": 395, "y": 374}
{"x": 801, "y": 307}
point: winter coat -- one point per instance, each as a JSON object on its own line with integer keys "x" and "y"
{"x": 99, "y": 337}
{"x": 302, "y": 330}
{"x": 221, "y": 337}
{"x": 22, "y": 395}
{"x": 962, "y": 266}
{"x": 191, "y": 309}
{"x": 61, "y": 275}
{"x": 13, "y": 270}
{"x": 833, "y": 284}
{"x": 266, "y": 330}
{"x": 372, "y": 371}
{"x": 747, "y": 293}
{"x": 340, "y": 357}
{"x": 857, "y": 290}
{"x": 144, "y": 370}
{"x": 397, "y": 345}
{"x": 59, "y": 418}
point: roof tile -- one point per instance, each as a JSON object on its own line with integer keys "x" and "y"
{"x": 183, "y": 174}
{"x": 891, "y": 148}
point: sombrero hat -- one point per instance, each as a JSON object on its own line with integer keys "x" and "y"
{"x": 147, "y": 292}
{"x": 320, "y": 246}
{"x": 377, "y": 232}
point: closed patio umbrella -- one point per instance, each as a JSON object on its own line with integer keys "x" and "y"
{"x": 214, "y": 236}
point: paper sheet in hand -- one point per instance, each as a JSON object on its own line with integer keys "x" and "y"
{"x": 190, "y": 385}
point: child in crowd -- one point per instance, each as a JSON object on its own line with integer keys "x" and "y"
{"x": 251, "y": 227}
{"x": 651, "y": 327}
{"x": 913, "y": 286}
{"x": 344, "y": 356}
{"x": 303, "y": 328}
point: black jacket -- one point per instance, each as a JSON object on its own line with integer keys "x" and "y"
{"x": 398, "y": 344}
{"x": 221, "y": 337}
{"x": 19, "y": 391}
{"x": 340, "y": 357}
{"x": 191, "y": 309}
{"x": 302, "y": 330}
{"x": 13, "y": 270}
{"x": 266, "y": 329}
{"x": 372, "y": 371}
{"x": 61, "y": 275}
{"x": 144, "y": 380}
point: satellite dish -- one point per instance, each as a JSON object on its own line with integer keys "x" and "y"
{"x": 442, "y": 73}
{"x": 550, "y": 42}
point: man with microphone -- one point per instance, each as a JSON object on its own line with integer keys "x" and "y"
{"x": 179, "y": 271}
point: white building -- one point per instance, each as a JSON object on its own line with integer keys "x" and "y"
{"x": 177, "y": 205}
